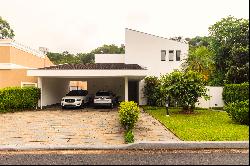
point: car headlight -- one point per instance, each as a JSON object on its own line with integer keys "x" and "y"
{"x": 62, "y": 99}
{"x": 78, "y": 99}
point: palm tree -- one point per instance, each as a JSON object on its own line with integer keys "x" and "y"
{"x": 200, "y": 59}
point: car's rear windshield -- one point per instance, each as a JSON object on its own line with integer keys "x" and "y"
{"x": 102, "y": 94}
{"x": 77, "y": 93}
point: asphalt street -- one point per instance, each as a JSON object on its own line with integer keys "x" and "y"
{"x": 126, "y": 157}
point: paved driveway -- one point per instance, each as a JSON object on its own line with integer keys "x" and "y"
{"x": 75, "y": 127}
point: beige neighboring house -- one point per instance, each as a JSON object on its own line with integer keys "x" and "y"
{"x": 15, "y": 60}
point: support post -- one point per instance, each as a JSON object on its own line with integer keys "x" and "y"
{"x": 40, "y": 85}
{"x": 126, "y": 88}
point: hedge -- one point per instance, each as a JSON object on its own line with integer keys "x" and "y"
{"x": 16, "y": 98}
{"x": 235, "y": 92}
{"x": 238, "y": 111}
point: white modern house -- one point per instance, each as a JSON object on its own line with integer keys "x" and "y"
{"x": 157, "y": 54}
{"x": 145, "y": 55}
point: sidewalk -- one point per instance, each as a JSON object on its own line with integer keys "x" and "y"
{"x": 155, "y": 145}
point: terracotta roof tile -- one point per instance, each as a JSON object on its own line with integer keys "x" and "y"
{"x": 95, "y": 66}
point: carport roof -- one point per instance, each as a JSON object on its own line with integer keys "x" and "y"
{"x": 95, "y": 66}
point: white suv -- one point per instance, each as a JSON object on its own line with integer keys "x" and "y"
{"x": 75, "y": 98}
{"x": 104, "y": 98}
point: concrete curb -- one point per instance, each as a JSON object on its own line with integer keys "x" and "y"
{"x": 180, "y": 145}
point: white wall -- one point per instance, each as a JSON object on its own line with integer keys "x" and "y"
{"x": 53, "y": 89}
{"x": 145, "y": 50}
{"x": 109, "y": 58}
{"x": 216, "y": 99}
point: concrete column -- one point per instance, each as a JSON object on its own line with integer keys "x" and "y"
{"x": 126, "y": 88}
{"x": 40, "y": 85}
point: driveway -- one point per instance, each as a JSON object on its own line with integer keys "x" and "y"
{"x": 88, "y": 126}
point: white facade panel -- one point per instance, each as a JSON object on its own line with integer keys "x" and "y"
{"x": 109, "y": 58}
{"x": 146, "y": 50}
{"x": 88, "y": 73}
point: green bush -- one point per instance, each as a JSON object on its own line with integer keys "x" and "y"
{"x": 128, "y": 114}
{"x": 16, "y": 98}
{"x": 238, "y": 111}
{"x": 129, "y": 136}
{"x": 152, "y": 90}
{"x": 184, "y": 87}
{"x": 235, "y": 92}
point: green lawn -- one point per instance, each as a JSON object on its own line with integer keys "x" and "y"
{"x": 203, "y": 125}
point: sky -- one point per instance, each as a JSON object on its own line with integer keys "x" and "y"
{"x": 82, "y": 25}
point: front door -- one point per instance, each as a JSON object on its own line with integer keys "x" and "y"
{"x": 133, "y": 91}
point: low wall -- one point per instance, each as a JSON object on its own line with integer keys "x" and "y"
{"x": 215, "y": 100}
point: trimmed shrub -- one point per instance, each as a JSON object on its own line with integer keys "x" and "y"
{"x": 238, "y": 111}
{"x": 235, "y": 92}
{"x": 129, "y": 136}
{"x": 129, "y": 114}
{"x": 16, "y": 98}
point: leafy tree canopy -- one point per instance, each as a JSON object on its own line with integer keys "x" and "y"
{"x": 230, "y": 42}
{"x": 109, "y": 49}
{"x": 5, "y": 30}
{"x": 66, "y": 57}
{"x": 198, "y": 41}
{"x": 184, "y": 87}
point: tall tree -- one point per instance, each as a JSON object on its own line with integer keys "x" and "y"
{"x": 5, "y": 30}
{"x": 230, "y": 42}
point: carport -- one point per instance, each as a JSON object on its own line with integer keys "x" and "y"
{"x": 122, "y": 79}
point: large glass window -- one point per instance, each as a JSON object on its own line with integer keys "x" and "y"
{"x": 178, "y": 55}
{"x": 171, "y": 55}
{"x": 163, "y": 55}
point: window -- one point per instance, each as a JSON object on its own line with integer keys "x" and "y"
{"x": 163, "y": 55}
{"x": 28, "y": 84}
{"x": 171, "y": 55}
{"x": 178, "y": 55}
